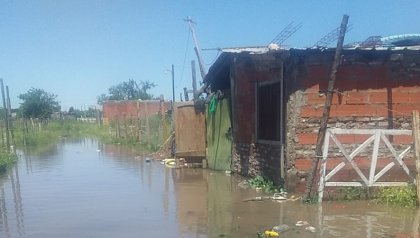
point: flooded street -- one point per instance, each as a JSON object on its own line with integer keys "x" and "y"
{"x": 86, "y": 189}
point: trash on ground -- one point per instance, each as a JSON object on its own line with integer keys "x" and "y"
{"x": 271, "y": 234}
{"x": 279, "y": 196}
{"x": 256, "y": 199}
{"x": 280, "y": 228}
{"x": 310, "y": 228}
{"x": 302, "y": 223}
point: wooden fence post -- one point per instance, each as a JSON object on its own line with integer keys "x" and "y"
{"x": 327, "y": 106}
{"x": 416, "y": 136}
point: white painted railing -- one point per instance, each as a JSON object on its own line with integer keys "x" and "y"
{"x": 376, "y": 136}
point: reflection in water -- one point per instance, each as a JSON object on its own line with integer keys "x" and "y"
{"x": 83, "y": 188}
{"x": 17, "y": 210}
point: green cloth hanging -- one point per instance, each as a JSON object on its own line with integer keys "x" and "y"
{"x": 213, "y": 104}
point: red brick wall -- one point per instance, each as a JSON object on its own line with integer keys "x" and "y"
{"x": 124, "y": 110}
{"x": 376, "y": 92}
{"x": 371, "y": 97}
{"x": 249, "y": 157}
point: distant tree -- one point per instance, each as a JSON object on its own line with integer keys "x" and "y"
{"x": 38, "y": 103}
{"x": 129, "y": 90}
{"x": 71, "y": 111}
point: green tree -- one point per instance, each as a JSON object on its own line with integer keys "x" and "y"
{"x": 38, "y": 103}
{"x": 129, "y": 90}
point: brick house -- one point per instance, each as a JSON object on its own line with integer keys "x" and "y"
{"x": 277, "y": 98}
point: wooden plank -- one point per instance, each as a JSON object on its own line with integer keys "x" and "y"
{"x": 374, "y": 157}
{"x": 327, "y": 107}
{"x": 394, "y": 153}
{"x": 190, "y": 136}
{"x": 362, "y": 146}
{"x": 334, "y": 171}
{"x": 346, "y": 184}
{"x": 383, "y": 171}
{"x": 322, "y": 178}
{"x": 352, "y": 155}
{"x": 197, "y": 153}
{"x": 398, "y": 132}
{"x": 353, "y": 164}
{"x": 416, "y": 135}
{"x": 360, "y": 184}
{"x": 339, "y": 131}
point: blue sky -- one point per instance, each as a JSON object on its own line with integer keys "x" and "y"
{"x": 77, "y": 49}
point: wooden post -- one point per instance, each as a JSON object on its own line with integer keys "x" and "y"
{"x": 186, "y": 94}
{"x": 9, "y": 110}
{"x": 194, "y": 80}
{"x": 327, "y": 107}
{"x": 416, "y": 136}
{"x": 6, "y": 116}
{"x": 147, "y": 121}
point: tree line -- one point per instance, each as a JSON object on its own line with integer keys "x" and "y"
{"x": 38, "y": 103}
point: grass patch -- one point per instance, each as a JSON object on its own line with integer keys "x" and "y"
{"x": 6, "y": 160}
{"x": 401, "y": 196}
{"x": 47, "y": 133}
{"x": 266, "y": 185}
{"x": 354, "y": 193}
{"x": 33, "y": 134}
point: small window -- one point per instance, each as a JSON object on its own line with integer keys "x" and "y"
{"x": 268, "y": 111}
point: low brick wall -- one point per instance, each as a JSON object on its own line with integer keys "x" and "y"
{"x": 132, "y": 109}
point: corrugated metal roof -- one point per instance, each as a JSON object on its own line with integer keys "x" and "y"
{"x": 264, "y": 50}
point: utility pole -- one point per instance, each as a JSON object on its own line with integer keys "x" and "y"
{"x": 194, "y": 80}
{"x": 197, "y": 48}
{"x": 173, "y": 85}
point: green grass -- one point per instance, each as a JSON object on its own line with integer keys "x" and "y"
{"x": 266, "y": 185}
{"x": 400, "y": 196}
{"x": 130, "y": 133}
{"x": 6, "y": 159}
{"x": 42, "y": 134}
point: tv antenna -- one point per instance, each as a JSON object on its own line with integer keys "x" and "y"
{"x": 287, "y": 32}
{"x": 329, "y": 38}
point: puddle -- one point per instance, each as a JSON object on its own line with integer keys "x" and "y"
{"x": 86, "y": 189}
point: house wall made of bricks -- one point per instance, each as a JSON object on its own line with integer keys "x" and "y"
{"x": 370, "y": 95}
{"x": 249, "y": 157}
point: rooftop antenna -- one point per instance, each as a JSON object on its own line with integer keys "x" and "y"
{"x": 287, "y": 32}
{"x": 197, "y": 48}
{"x": 329, "y": 38}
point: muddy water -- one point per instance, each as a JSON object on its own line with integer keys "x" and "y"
{"x": 85, "y": 189}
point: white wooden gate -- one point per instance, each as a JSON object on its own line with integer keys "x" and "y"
{"x": 377, "y": 135}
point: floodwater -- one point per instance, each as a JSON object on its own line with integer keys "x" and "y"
{"x": 87, "y": 189}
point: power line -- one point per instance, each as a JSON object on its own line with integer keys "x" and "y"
{"x": 185, "y": 57}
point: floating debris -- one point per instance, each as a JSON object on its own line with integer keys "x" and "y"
{"x": 311, "y": 229}
{"x": 280, "y": 228}
{"x": 302, "y": 223}
{"x": 256, "y": 199}
{"x": 279, "y": 196}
